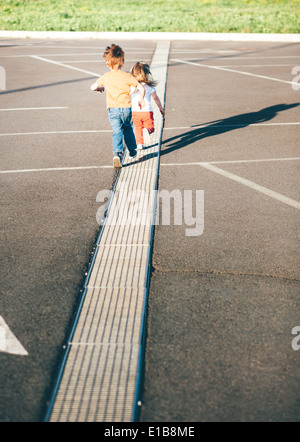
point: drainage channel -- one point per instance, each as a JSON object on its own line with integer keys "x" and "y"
{"x": 100, "y": 377}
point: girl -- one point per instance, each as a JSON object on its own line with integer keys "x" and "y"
{"x": 143, "y": 117}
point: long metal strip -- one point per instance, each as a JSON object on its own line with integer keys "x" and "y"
{"x": 99, "y": 379}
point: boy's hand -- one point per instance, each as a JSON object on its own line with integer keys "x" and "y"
{"x": 96, "y": 88}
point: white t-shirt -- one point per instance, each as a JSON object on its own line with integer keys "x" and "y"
{"x": 135, "y": 96}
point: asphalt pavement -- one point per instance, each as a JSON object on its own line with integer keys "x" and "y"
{"x": 223, "y": 303}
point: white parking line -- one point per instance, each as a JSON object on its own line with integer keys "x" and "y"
{"x": 204, "y": 51}
{"x": 227, "y": 57}
{"x": 252, "y": 185}
{"x": 54, "y": 169}
{"x": 210, "y": 166}
{"x": 51, "y": 55}
{"x": 97, "y": 54}
{"x": 235, "y": 71}
{"x": 208, "y": 125}
{"x": 244, "y": 58}
{"x": 133, "y": 60}
{"x": 50, "y": 46}
{"x": 93, "y": 74}
{"x": 256, "y": 65}
{"x": 8, "y": 342}
{"x": 263, "y": 160}
{"x": 14, "y": 134}
{"x": 32, "y": 108}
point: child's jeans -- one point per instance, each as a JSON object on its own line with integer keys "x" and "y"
{"x": 142, "y": 120}
{"x": 120, "y": 121}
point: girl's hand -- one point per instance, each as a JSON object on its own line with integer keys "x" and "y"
{"x": 142, "y": 103}
{"x": 162, "y": 112}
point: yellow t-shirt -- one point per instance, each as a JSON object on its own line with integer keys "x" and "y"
{"x": 117, "y": 85}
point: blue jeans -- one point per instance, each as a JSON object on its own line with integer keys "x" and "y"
{"x": 120, "y": 121}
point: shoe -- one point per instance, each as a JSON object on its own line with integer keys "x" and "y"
{"x": 117, "y": 161}
{"x": 140, "y": 147}
{"x": 146, "y": 136}
{"x": 133, "y": 155}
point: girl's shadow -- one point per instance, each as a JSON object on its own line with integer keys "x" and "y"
{"x": 218, "y": 127}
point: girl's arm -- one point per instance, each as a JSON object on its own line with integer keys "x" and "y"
{"x": 158, "y": 103}
{"x": 133, "y": 89}
{"x": 142, "y": 95}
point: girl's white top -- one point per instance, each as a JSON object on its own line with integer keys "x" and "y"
{"x": 135, "y": 96}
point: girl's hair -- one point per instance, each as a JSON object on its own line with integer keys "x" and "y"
{"x": 114, "y": 56}
{"x": 141, "y": 71}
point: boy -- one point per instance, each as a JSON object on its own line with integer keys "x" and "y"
{"x": 117, "y": 85}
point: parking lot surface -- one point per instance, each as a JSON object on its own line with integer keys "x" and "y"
{"x": 223, "y": 302}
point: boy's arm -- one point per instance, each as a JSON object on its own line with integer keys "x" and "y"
{"x": 95, "y": 87}
{"x": 142, "y": 95}
{"x": 158, "y": 103}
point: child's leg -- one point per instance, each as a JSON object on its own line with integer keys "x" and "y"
{"x": 149, "y": 122}
{"x": 148, "y": 127}
{"x": 128, "y": 131}
{"x": 117, "y": 128}
{"x": 138, "y": 127}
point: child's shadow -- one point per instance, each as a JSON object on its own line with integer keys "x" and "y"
{"x": 218, "y": 127}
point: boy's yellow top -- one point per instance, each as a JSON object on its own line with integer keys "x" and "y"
{"x": 117, "y": 85}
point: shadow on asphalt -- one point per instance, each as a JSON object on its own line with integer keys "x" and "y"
{"x": 224, "y": 125}
{"x": 216, "y": 127}
{"x": 40, "y": 86}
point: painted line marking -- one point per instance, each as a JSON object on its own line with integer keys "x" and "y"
{"x": 13, "y": 134}
{"x": 133, "y": 60}
{"x": 230, "y": 162}
{"x": 32, "y": 108}
{"x": 70, "y": 54}
{"x": 204, "y": 51}
{"x": 93, "y": 74}
{"x": 256, "y": 65}
{"x": 235, "y": 71}
{"x": 57, "y": 132}
{"x": 8, "y": 342}
{"x": 50, "y": 55}
{"x": 252, "y": 185}
{"x": 241, "y": 58}
{"x": 208, "y": 125}
{"x": 54, "y": 169}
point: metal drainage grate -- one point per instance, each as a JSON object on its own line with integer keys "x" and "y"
{"x": 99, "y": 379}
